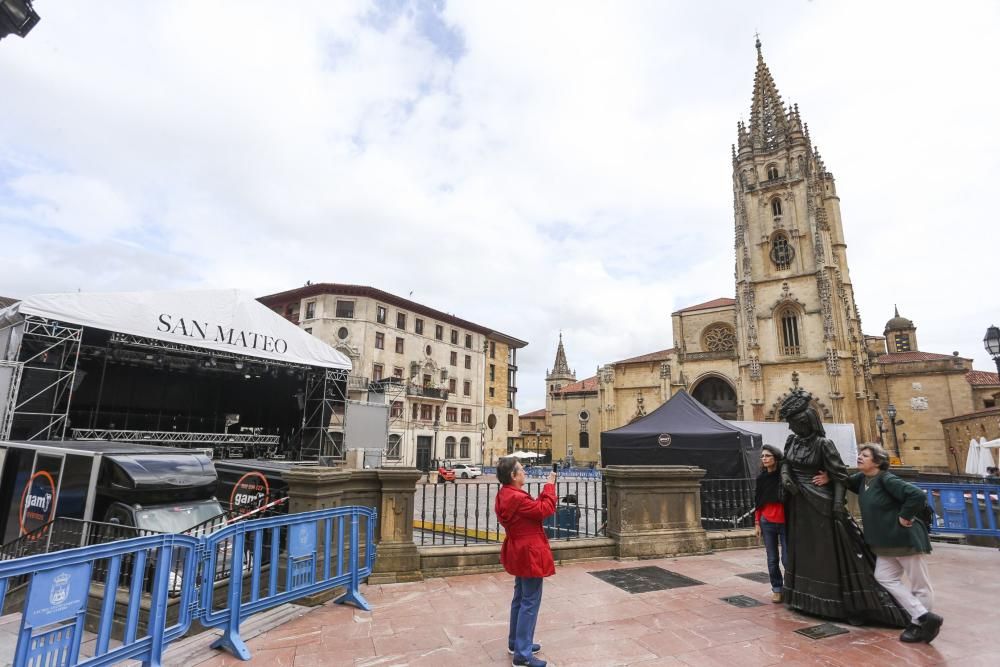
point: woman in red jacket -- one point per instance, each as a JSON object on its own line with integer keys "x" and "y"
{"x": 525, "y": 554}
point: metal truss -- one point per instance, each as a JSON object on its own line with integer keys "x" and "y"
{"x": 13, "y": 368}
{"x": 324, "y": 415}
{"x": 190, "y": 438}
{"x": 47, "y": 354}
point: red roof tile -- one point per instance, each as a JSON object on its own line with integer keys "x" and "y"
{"x": 536, "y": 413}
{"x": 911, "y": 357}
{"x": 982, "y": 378}
{"x": 662, "y": 355}
{"x": 714, "y": 303}
{"x": 590, "y": 384}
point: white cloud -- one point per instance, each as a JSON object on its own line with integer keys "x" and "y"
{"x": 529, "y": 166}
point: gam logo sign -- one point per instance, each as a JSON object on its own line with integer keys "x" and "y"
{"x": 250, "y": 492}
{"x": 38, "y": 502}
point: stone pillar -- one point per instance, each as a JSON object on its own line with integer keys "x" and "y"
{"x": 655, "y": 511}
{"x": 315, "y": 488}
{"x": 397, "y": 556}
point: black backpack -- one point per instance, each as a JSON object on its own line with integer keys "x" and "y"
{"x": 925, "y": 514}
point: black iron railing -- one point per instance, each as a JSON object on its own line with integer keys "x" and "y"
{"x": 727, "y": 504}
{"x": 461, "y": 514}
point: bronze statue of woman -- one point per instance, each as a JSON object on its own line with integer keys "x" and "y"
{"x": 830, "y": 570}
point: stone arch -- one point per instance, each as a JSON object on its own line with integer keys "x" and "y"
{"x": 717, "y": 393}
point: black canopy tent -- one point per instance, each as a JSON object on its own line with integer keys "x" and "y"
{"x": 682, "y": 431}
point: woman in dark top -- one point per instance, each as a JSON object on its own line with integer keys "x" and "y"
{"x": 830, "y": 570}
{"x": 769, "y": 516}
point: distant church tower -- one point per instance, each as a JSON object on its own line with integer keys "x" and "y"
{"x": 797, "y": 322}
{"x": 559, "y": 376}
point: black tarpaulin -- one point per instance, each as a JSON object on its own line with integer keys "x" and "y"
{"x": 697, "y": 437}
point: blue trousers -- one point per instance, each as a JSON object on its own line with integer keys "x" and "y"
{"x": 524, "y": 614}
{"x": 773, "y": 533}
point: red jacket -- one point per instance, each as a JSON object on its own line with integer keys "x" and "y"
{"x": 525, "y": 551}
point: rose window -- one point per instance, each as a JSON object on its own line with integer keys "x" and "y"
{"x": 720, "y": 339}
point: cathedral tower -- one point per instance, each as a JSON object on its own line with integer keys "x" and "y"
{"x": 559, "y": 376}
{"x": 797, "y": 322}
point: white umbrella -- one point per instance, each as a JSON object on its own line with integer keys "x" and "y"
{"x": 972, "y": 459}
{"x": 524, "y": 455}
{"x": 985, "y": 457}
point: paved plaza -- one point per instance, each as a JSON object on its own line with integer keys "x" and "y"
{"x": 585, "y": 621}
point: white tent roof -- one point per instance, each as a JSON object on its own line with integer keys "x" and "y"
{"x": 222, "y": 320}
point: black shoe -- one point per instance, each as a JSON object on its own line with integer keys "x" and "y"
{"x": 912, "y": 634}
{"x": 930, "y": 624}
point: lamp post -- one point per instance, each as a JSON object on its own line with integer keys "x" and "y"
{"x": 880, "y": 424}
{"x": 891, "y": 411}
{"x": 992, "y": 343}
{"x": 436, "y": 426}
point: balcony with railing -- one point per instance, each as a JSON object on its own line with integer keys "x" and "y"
{"x": 430, "y": 393}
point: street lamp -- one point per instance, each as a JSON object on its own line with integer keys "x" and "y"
{"x": 891, "y": 411}
{"x": 880, "y": 424}
{"x": 992, "y": 343}
{"x": 437, "y": 427}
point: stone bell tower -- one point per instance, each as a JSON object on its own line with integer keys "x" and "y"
{"x": 795, "y": 309}
{"x": 559, "y": 376}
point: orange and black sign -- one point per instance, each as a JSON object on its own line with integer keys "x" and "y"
{"x": 250, "y": 492}
{"x": 38, "y": 502}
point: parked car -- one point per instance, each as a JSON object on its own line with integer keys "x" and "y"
{"x": 465, "y": 471}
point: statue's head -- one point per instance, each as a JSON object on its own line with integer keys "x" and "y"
{"x": 802, "y": 418}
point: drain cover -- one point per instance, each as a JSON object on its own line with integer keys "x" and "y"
{"x": 645, "y": 579}
{"x": 822, "y": 631}
{"x": 759, "y": 577}
{"x": 743, "y": 601}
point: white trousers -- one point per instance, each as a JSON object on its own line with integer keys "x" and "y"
{"x": 917, "y": 598}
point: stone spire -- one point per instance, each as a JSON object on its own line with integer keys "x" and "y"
{"x": 561, "y": 370}
{"x": 770, "y": 122}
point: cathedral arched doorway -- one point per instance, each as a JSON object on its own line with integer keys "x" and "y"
{"x": 717, "y": 395}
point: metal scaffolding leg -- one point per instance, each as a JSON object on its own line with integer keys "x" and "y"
{"x": 324, "y": 415}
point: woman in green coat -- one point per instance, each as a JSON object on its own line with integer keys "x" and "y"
{"x": 889, "y": 506}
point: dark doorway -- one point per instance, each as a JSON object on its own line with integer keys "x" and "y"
{"x": 718, "y": 396}
{"x": 423, "y": 452}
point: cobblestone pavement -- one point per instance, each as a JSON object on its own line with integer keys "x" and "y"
{"x": 584, "y": 621}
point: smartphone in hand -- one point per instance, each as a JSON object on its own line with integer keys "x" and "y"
{"x": 555, "y": 467}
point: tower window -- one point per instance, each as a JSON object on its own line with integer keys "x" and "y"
{"x": 772, "y": 172}
{"x": 902, "y": 343}
{"x": 781, "y": 252}
{"x": 776, "y": 207}
{"x": 789, "y": 322}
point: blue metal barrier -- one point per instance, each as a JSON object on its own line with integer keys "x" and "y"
{"x": 308, "y": 569}
{"x": 59, "y": 586}
{"x": 968, "y": 509}
{"x": 309, "y": 547}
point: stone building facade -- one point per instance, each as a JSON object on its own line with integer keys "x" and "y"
{"x": 457, "y": 379}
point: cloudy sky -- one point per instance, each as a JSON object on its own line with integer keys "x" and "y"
{"x": 529, "y": 166}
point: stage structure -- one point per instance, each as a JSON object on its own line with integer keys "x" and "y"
{"x": 201, "y": 369}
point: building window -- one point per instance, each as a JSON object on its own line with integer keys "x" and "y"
{"x": 343, "y": 333}
{"x": 531, "y": 426}
{"x": 444, "y": 375}
{"x": 399, "y": 345}
{"x": 416, "y": 410}
{"x": 772, "y": 172}
{"x": 468, "y": 341}
{"x": 902, "y": 343}
{"x": 466, "y": 416}
{"x": 719, "y": 338}
{"x": 393, "y": 450}
{"x": 345, "y": 309}
{"x": 493, "y": 392}
{"x": 451, "y": 414}
{"x": 782, "y": 252}
{"x": 401, "y": 321}
{"x": 468, "y": 361}
{"x": 493, "y": 350}
{"x": 493, "y": 372}
{"x": 584, "y": 440}
{"x": 449, "y": 447}
{"x": 377, "y": 372}
{"x": 418, "y": 325}
{"x": 427, "y": 350}
{"x": 789, "y": 332}
{"x": 451, "y": 385}
{"x": 439, "y": 332}
{"x": 510, "y": 422}
{"x": 453, "y": 358}
{"x": 427, "y": 380}
{"x": 379, "y": 340}
{"x": 454, "y": 337}
{"x": 427, "y": 413}
{"x": 467, "y": 388}
{"x": 397, "y": 372}
{"x": 463, "y": 448}
{"x": 396, "y": 411}
{"x": 776, "y": 207}
{"x": 380, "y": 313}
{"x": 310, "y": 310}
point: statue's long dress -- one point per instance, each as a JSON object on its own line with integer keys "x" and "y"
{"x": 830, "y": 569}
